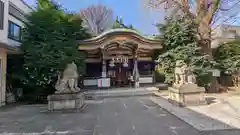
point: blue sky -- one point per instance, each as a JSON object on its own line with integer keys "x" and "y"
{"x": 132, "y": 11}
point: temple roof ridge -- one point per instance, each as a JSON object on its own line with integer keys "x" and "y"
{"x": 115, "y": 30}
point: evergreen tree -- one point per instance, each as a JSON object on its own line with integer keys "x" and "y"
{"x": 49, "y": 43}
{"x": 228, "y": 57}
{"x": 180, "y": 43}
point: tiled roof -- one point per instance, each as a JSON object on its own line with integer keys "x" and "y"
{"x": 116, "y": 30}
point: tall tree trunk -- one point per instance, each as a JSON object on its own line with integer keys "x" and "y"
{"x": 205, "y": 43}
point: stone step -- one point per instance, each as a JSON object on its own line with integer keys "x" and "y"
{"x": 161, "y": 86}
{"x": 101, "y": 94}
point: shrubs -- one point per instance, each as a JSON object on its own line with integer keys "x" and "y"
{"x": 49, "y": 43}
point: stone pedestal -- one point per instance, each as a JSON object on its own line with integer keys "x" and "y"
{"x": 66, "y": 101}
{"x": 187, "y": 95}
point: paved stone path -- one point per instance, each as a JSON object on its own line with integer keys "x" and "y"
{"x": 111, "y": 116}
{"x": 138, "y": 116}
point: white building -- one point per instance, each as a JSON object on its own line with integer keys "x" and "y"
{"x": 12, "y": 19}
{"x": 224, "y": 33}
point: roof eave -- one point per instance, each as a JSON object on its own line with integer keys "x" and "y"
{"x": 120, "y": 30}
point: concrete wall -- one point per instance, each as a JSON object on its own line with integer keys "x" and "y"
{"x": 18, "y": 22}
{"x": 16, "y": 14}
{"x": 224, "y": 33}
{"x": 3, "y": 39}
{"x": 3, "y": 59}
{"x": 3, "y": 33}
{"x": 21, "y": 7}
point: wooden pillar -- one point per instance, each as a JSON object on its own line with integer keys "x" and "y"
{"x": 136, "y": 75}
{"x": 136, "y": 71}
{"x": 104, "y": 67}
{"x": 153, "y": 72}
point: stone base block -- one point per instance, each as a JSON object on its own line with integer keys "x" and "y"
{"x": 66, "y": 101}
{"x": 188, "y": 95}
{"x": 2, "y": 104}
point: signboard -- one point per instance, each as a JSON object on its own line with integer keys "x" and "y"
{"x": 103, "y": 82}
{"x": 90, "y": 82}
{"x": 146, "y": 80}
{"x": 216, "y": 73}
{"x": 120, "y": 59}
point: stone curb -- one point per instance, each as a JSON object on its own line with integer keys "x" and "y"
{"x": 197, "y": 120}
{"x": 118, "y": 93}
{"x": 112, "y": 91}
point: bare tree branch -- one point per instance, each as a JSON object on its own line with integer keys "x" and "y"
{"x": 97, "y": 18}
{"x": 208, "y": 14}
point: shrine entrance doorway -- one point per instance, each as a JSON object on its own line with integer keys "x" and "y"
{"x": 119, "y": 71}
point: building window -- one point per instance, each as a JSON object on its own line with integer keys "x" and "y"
{"x": 14, "y": 31}
{"x": 1, "y": 15}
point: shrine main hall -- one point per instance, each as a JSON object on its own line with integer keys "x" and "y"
{"x": 119, "y": 57}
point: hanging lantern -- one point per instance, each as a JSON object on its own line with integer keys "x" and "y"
{"x": 111, "y": 64}
{"x": 125, "y": 64}
{"x": 126, "y": 59}
{"x": 113, "y": 60}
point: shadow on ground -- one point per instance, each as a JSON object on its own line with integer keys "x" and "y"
{"x": 110, "y": 116}
{"x": 210, "y": 100}
{"x": 207, "y": 125}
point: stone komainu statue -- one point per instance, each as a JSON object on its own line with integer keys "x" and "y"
{"x": 180, "y": 72}
{"x": 183, "y": 74}
{"x": 68, "y": 81}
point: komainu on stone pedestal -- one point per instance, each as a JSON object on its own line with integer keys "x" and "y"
{"x": 185, "y": 91}
{"x": 183, "y": 74}
{"x": 68, "y": 82}
{"x": 68, "y": 94}
{"x": 66, "y": 101}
